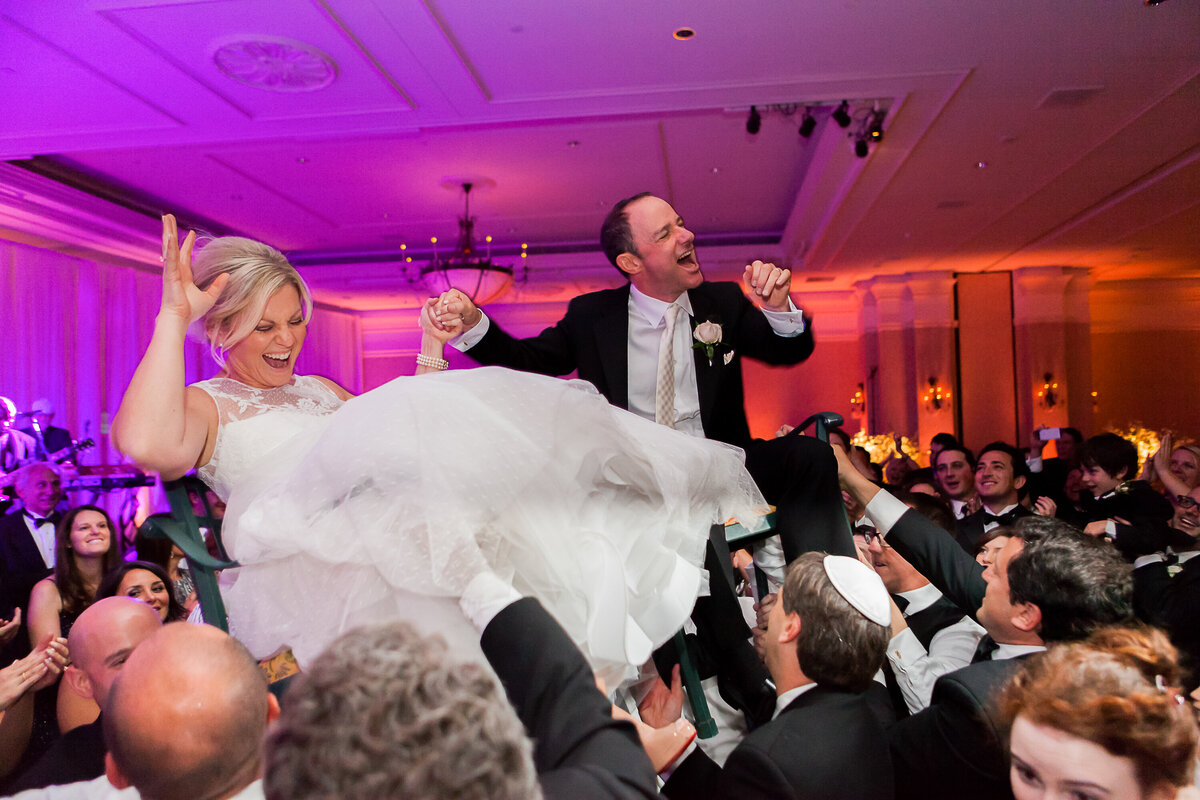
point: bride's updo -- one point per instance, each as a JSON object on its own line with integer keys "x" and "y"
{"x": 256, "y": 272}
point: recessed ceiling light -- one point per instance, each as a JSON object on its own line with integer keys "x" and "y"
{"x": 573, "y": 143}
{"x": 981, "y": 164}
{"x": 683, "y": 34}
{"x": 302, "y": 160}
{"x": 716, "y": 170}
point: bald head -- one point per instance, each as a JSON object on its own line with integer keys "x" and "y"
{"x": 102, "y": 639}
{"x": 186, "y": 715}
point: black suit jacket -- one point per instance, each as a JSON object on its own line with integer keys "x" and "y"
{"x": 21, "y": 566}
{"x": 579, "y": 749}
{"x": 938, "y": 557}
{"x": 955, "y": 748}
{"x": 826, "y": 745}
{"x": 77, "y": 755}
{"x": 1173, "y": 603}
{"x": 591, "y": 339}
{"x": 969, "y": 529}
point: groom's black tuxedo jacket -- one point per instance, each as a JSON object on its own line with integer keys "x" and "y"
{"x": 579, "y": 750}
{"x": 592, "y": 340}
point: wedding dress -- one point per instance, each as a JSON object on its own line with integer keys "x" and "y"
{"x": 343, "y": 514}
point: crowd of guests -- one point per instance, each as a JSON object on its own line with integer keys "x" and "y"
{"x": 1013, "y": 626}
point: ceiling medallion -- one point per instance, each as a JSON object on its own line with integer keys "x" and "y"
{"x": 277, "y": 65}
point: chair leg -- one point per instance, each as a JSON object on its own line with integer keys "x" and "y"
{"x": 706, "y": 726}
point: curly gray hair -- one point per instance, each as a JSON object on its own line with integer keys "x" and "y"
{"x": 383, "y": 712}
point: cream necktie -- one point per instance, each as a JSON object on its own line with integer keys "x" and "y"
{"x": 664, "y": 390}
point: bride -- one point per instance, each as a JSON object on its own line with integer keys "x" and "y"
{"x": 349, "y": 510}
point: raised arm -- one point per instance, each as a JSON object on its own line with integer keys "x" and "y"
{"x": 161, "y": 424}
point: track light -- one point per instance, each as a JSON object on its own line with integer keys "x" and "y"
{"x": 875, "y": 125}
{"x": 860, "y": 148}
{"x": 808, "y": 123}
{"x": 754, "y": 122}
{"x": 842, "y": 115}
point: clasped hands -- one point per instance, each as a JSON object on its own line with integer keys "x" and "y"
{"x": 448, "y": 315}
{"x": 35, "y": 671}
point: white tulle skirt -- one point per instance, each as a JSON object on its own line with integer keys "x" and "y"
{"x": 391, "y": 505}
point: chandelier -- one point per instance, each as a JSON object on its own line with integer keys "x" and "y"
{"x": 477, "y": 277}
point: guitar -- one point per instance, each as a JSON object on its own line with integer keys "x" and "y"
{"x": 59, "y": 456}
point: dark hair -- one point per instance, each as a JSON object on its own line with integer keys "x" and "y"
{"x": 919, "y": 475}
{"x": 1078, "y": 582}
{"x": 616, "y": 237}
{"x": 837, "y": 646}
{"x": 1073, "y": 433}
{"x": 990, "y": 536}
{"x": 956, "y": 448}
{"x": 935, "y": 509}
{"x": 1112, "y": 454}
{"x": 1112, "y": 690}
{"x": 946, "y": 440}
{"x": 68, "y": 578}
{"x": 110, "y": 584}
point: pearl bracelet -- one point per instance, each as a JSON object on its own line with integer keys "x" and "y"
{"x": 431, "y": 362}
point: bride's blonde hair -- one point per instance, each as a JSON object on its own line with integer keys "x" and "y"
{"x": 256, "y": 272}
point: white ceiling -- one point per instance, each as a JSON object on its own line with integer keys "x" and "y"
{"x": 569, "y": 106}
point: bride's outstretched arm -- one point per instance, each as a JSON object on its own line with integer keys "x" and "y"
{"x": 162, "y": 425}
{"x": 435, "y": 333}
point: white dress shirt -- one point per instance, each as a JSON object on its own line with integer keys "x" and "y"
{"x": 988, "y": 525}
{"x": 917, "y": 669}
{"x": 646, "y": 323}
{"x": 43, "y": 537}
{"x": 785, "y": 699}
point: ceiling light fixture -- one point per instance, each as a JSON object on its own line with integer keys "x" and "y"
{"x": 842, "y": 115}
{"x": 683, "y": 34}
{"x": 754, "y": 121}
{"x": 478, "y": 278}
{"x": 860, "y": 147}
{"x": 875, "y": 124}
{"x": 808, "y": 123}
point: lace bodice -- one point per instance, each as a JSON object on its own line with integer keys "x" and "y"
{"x": 254, "y": 424}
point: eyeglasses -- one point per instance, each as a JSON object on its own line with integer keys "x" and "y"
{"x": 1184, "y": 501}
{"x": 869, "y": 535}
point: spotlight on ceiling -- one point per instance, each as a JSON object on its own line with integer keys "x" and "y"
{"x": 808, "y": 123}
{"x": 1154, "y": 2}
{"x": 754, "y": 121}
{"x": 842, "y": 115}
{"x": 875, "y": 125}
{"x": 860, "y": 147}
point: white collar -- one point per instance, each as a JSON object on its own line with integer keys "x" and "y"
{"x": 1004, "y": 651}
{"x": 785, "y": 699}
{"x": 920, "y": 598}
{"x": 654, "y": 310}
{"x": 1001, "y": 512}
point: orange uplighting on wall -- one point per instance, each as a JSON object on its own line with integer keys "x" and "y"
{"x": 1047, "y": 396}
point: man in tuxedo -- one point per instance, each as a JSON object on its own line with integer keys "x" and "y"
{"x": 1050, "y": 583}
{"x": 100, "y": 642}
{"x": 937, "y": 637}
{"x": 27, "y": 545}
{"x": 633, "y": 344}
{"x": 825, "y": 640}
{"x": 443, "y": 728}
{"x": 954, "y": 471}
{"x": 1000, "y": 473}
{"x": 53, "y": 440}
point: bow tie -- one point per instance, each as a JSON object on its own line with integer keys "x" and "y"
{"x": 987, "y": 646}
{"x": 1007, "y": 518}
{"x": 40, "y": 521}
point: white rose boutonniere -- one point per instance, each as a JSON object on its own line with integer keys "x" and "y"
{"x": 708, "y": 339}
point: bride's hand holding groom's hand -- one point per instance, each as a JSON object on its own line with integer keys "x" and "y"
{"x": 441, "y": 330}
{"x": 181, "y": 298}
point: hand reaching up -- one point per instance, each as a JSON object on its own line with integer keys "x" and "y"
{"x": 769, "y": 283}
{"x": 181, "y": 297}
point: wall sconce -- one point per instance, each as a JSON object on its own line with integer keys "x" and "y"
{"x": 858, "y": 403}
{"x": 936, "y": 396}
{"x": 1095, "y": 402}
{"x": 1048, "y": 394}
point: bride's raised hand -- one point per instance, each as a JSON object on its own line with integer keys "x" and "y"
{"x": 181, "y": 296}
{"x": 442, "y": 330}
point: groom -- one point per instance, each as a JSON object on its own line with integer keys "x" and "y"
{"x": 618, "y": 340}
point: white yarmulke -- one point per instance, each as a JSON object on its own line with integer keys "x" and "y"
{"x": 861, "y": 587}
